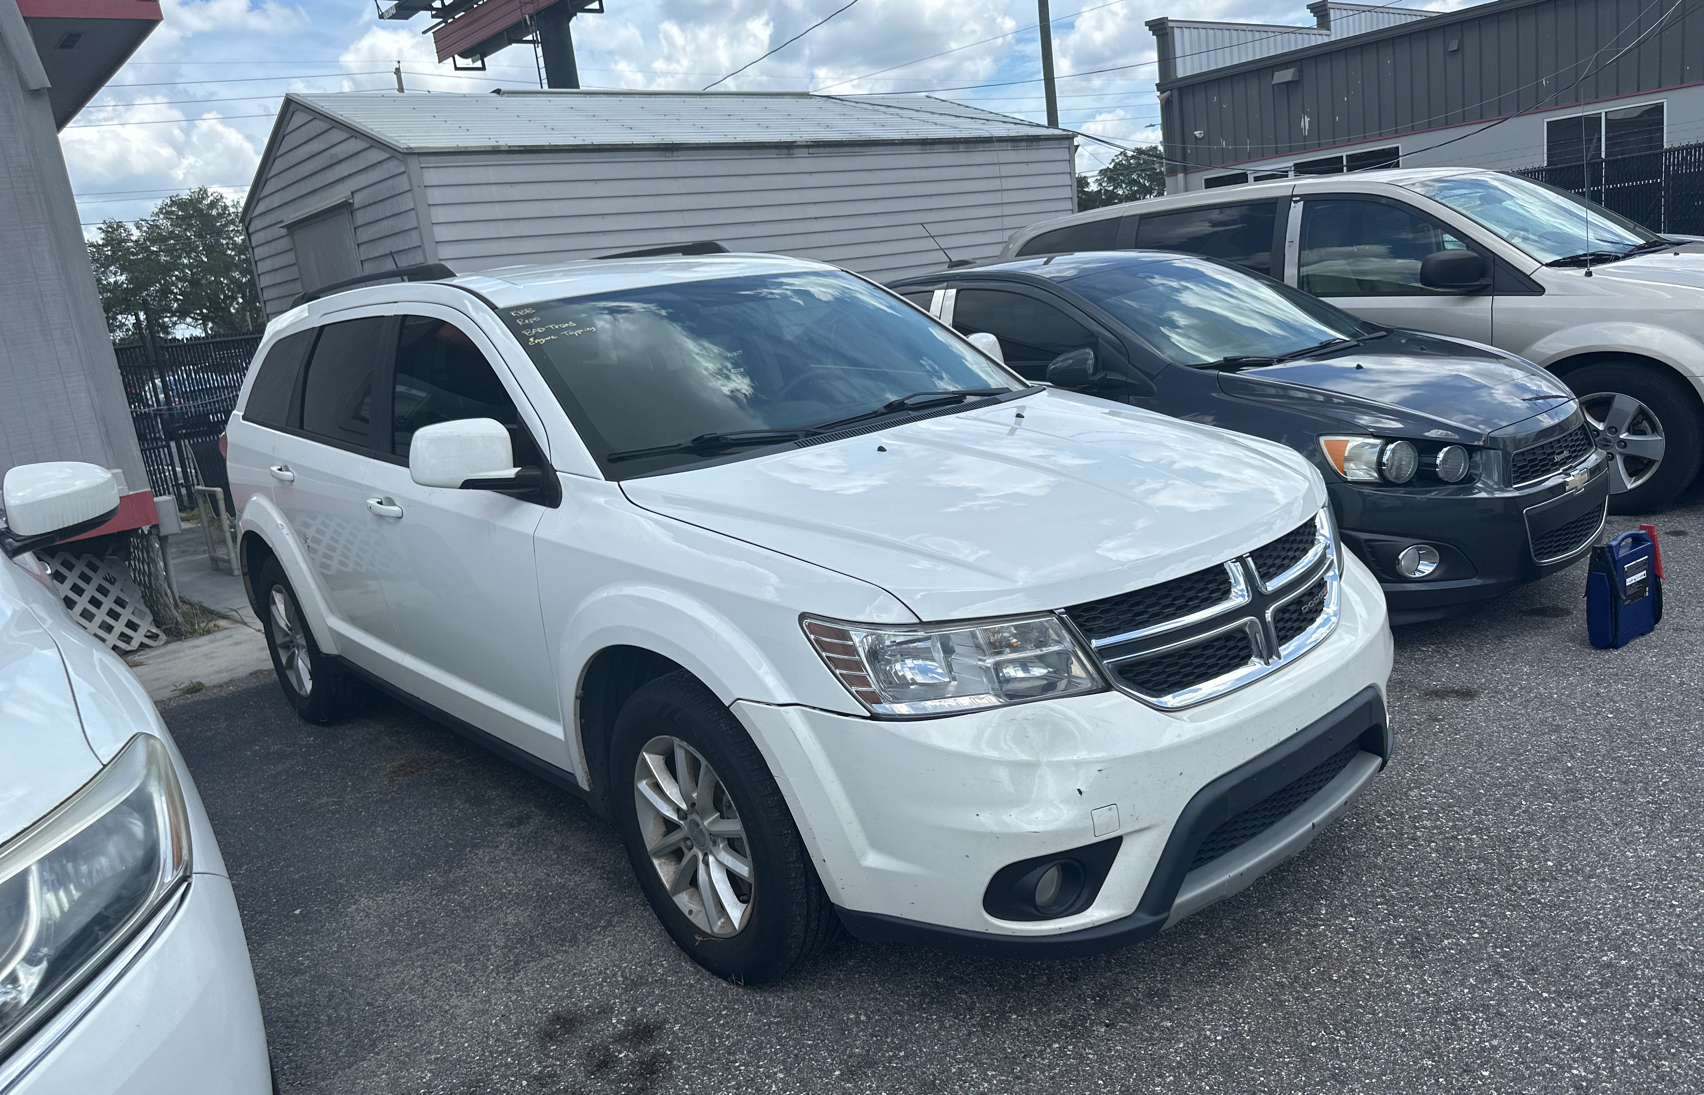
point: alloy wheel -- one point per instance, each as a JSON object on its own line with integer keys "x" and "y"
{"x": 291, "y": 640}
{"x": 693, "y": 835}
{"x": 1630, "y": 433}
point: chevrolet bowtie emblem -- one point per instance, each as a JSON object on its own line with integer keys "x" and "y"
{"x": 1578, "y": 479}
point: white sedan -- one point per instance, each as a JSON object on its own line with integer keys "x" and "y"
{"x": 122, "y": 961}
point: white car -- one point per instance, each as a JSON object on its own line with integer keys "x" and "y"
{"x": 122, "y": 962}
{"x": 1615, "y": 311}
{"x": 838, "y": 619}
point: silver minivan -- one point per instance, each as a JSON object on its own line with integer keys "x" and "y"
{"x": 1613, "y": 309}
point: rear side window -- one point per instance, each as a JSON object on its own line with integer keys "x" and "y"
{"x": 1031, "y": 333}
{"x": 1095, "y": 235}
{"x": 337, "y": 398}
{"x": 1241, "y": 234}
{"x": 275, "y": 381}
{"x": 441, "y": 377}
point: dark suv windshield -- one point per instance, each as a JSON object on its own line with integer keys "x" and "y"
{"x": 658, "y": 366}
{"x": 1196, "y": 312}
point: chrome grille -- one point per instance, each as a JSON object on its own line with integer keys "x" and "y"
{"x": 1537, "y": 461}
{"x": 1189, "y": 639}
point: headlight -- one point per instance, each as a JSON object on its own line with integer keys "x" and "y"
{"x": 75, "y": 887}
{"x": 924, "y": 669}
{"x": 1382, "y": 460}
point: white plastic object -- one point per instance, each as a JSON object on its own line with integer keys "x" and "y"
{"x": 448, "y": 454}
{"x": 56, "y": 494}
{"x": 988, "y": 344}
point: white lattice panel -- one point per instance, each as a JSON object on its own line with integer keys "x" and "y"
{"x": 104, "y": 601}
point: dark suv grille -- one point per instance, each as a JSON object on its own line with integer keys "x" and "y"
{"x": 1285, "y": 552}
{"x": 1298, "y": 615}
{"x": 1568, "y": 539}
{"x": 1141, "y": 608}
{"x": 1192, "y": 665}
{"x": 1244, "y": 827}
{"x": 1540, "y": 460}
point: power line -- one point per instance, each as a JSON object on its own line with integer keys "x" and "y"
{"x": 783, "y": 45}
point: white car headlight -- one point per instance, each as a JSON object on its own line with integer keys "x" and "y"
{"x": 938, "y": 669}
{"x": 76, "y": 886}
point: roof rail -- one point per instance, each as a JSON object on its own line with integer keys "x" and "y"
{"x": 431, "y": 271}
{"x": 702, "y": 247}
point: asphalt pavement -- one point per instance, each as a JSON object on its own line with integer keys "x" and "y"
{"x": 1514, "y": 906}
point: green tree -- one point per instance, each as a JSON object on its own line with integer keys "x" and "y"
{"x": 185, "y": 268}
{"x": 1132, "y": 175}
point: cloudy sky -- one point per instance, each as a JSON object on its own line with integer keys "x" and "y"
{"x": 194, "y": 105}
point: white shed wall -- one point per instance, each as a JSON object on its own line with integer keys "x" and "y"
{"x": 855, "y": 206}
{"x": 316, "y": 165}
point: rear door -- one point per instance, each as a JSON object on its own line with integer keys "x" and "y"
{"x": 1363, "y": 254}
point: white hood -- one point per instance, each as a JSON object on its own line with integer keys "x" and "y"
{"x": 1685, "y": 268}
{"x": 985, "y": 513}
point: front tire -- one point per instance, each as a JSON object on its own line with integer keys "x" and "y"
{"x": 316, "y": 687}
{"x": 709, "y": 836}
{"x": 1648, "y": 422}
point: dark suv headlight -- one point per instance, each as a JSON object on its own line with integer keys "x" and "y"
{"x": 1397, "y": 461}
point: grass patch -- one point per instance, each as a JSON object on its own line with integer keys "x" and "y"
{"x": 195, "y": 620}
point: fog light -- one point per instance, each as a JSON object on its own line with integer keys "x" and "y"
{"x": 1047, "y": 886}
{"x": 1417, "y": 561}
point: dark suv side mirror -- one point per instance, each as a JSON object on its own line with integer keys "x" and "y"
{"x": 1072, "y": 370}
{"x": 1457, "y": 271}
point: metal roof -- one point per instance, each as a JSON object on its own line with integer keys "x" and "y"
{"x": 419, "y": 122}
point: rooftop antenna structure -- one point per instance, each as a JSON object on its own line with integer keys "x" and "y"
{"x": 952, "y": 263}
{"x": 466, "y": 32}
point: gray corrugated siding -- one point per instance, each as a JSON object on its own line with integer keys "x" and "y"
{"x": 1408, "y": 79}
{"x": 857, "y": 207}
{"x": 1201, "y": 48}
{"x": 315, "y": 165}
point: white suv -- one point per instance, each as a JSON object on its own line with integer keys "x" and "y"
{"x": 838, "y": 619}
{"x": 1615, "y": 311}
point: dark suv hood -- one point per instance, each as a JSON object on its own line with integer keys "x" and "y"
{"x": 1472, "y": 388}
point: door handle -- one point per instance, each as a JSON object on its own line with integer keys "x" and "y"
{"x": 384, "y": 507}
{"x": 283, "y": 472}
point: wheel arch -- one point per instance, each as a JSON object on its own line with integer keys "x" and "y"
{"x": 608, "y": 679}
{"x": 263, "y": 534}
{"x": 1575, "y": 362}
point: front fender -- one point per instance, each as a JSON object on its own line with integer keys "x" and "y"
{"x": 1680, "y": 352}
{"x": 261, "y": 518}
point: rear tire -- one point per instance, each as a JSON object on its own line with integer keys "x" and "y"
{"x": 316, "y": 686}
{"x": 1649, "y": 423}
{"x": 710, "y": 838}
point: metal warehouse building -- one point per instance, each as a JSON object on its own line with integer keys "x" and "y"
{"x": 356, "y": 183}
{"x": 1515, "y": 84}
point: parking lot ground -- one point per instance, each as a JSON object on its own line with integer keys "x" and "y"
{"x": 1514, "y": 906}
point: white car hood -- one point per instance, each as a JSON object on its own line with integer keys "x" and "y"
{"x": 983, "y": 513}
{"x": 1660, "y": 267}
{"x": 46, "y": 756}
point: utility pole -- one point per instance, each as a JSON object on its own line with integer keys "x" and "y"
{"x": 556, "y": 44}
{"x": 1047, "y": 63}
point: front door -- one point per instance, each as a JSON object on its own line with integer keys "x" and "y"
{"x": 1363, "y": 255}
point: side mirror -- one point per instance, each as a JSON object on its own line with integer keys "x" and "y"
{"x": 988, "y": 344}
{"x": 474, "y": 453}
{"x": 46, "y": 503}
{"x": 1456, "y": 271}
{"x": 1072, "y": 370}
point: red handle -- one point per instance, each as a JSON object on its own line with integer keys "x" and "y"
{"x": 1656, "y": 550}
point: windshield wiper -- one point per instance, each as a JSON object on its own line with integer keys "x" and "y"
{"x": 715, "y": 442}
{"x": 1244, "y": 361}
{"x": 1655, "y": 245}
{"x": 914, "y": 401}
{"x": 1585, "y": 258}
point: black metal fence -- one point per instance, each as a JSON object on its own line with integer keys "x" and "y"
{"x": 180, "y": 395}
{"x": 1664, "y": 191}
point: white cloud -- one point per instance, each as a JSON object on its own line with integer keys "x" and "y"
{"x": 187, "y": 17}
{"x": 380, "y": 49}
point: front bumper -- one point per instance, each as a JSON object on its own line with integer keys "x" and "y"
{"x": 1490, "y": 540}
{"x": 908, "y": 822}
{"x": 174, "y": 1013}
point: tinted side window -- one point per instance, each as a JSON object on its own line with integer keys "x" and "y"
{"x": 1231, "y": 233}
{"x": 1362, "y": 248}
{"x": 1031, "y": 333}
{"x": 1096, "y": 235}
{"x": 337, "y": 398}
{"x": 440, "y": 377}
{"x": 275, "y": 381}
{"x": 921, "y": 297}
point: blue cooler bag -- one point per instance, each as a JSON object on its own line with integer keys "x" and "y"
{"x": 1624, "y": 590}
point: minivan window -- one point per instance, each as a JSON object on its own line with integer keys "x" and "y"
{"x": 1352, "y": 247}
{"x": 1031, "y": 332}
{"x": 337, "y": 398}
{"x": 1095, "y": 235}
{"x": 441, "y": 377}
{"x": 1547, "y": 223}
{"x": 1195, "y": 312}
{"x": 1240, "y": 233}
{"x": 659, "y": 365}
{"x": 275, "y": 381}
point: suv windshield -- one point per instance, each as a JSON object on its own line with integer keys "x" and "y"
{"x": 1196, "y": 312}
{"x": 1549, "y": 224}
{"x": 702, "y": 368}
